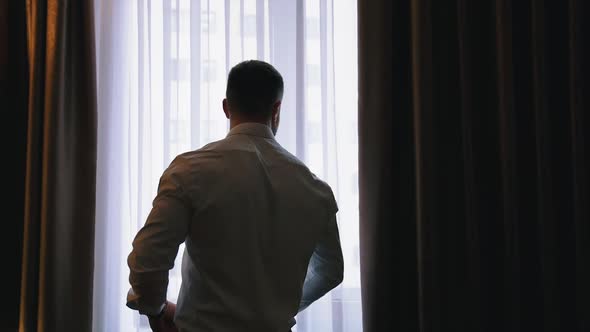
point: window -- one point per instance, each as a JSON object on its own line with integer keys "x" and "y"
{"x": 312, "y": 27}
{"x": 162, "y": 96}
{"x": 208, "y": 22}
{"x": 250, "y": 26}
{"x": 312, "y": 72}
{"x": 208, "y": 70}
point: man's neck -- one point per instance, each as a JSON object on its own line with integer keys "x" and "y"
{"x": 233, "y": 122}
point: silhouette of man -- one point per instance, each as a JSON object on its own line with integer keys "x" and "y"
{"x": 260, "y": 232}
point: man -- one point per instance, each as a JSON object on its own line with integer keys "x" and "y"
{"x": 260, "y": 229}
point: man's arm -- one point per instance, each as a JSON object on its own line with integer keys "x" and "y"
{"x": 156, "y": 245}
{"x": 326, "y": 266}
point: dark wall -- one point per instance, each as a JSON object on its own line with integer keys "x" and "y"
{"x": 13, "y": 106}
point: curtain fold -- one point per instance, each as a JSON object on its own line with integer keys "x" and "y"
{"x": 13, "y": 96}
{"x": 499, "y": 132}
{"x": 56, "y": 289}
{"x": 378, "y": 156}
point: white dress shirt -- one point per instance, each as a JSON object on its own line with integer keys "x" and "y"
{"x": 260, "y": 233}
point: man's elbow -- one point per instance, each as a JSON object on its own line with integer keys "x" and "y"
{"x": 340, "y": 275}
{"x": 337, "y": 275}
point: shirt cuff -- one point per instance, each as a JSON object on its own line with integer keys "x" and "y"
{"x": 144, "y": 309}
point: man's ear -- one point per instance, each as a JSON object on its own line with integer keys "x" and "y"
{"x": 225, "y": 107}
{"x": 276, "y": 111}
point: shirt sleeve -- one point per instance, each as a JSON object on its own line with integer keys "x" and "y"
{"x": 156, "y": 245}
{"x": 326, "y": 266}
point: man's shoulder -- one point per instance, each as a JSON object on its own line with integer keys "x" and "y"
{"x": 200, "y": 154}
{"x": 318, "y": 186}
{"x": 290, "y": 158}
{"x": 326, "y": 193}
{"x": 191, "y": 161}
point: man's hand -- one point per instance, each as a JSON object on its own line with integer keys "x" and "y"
{"x": 164, "y": 323}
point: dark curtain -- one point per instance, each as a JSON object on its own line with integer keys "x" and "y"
{"x": 490, "y": 120}
{"x": 387, "y": 213}
{"x": 13, "y": 134}
{"x": 57, "y": 269}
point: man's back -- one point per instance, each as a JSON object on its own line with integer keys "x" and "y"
{"x": 255, "y": 216}
{"x": 260, "y": 212}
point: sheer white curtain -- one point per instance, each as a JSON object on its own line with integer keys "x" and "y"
{"x": 162, "y": 68}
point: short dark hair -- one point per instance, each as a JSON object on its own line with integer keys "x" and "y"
{"x": 253, "y": 86}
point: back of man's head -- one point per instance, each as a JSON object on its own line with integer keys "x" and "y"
{"x": 253, "y": 87}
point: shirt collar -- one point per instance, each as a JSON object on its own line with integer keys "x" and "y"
{"x": 252, "y": 129}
